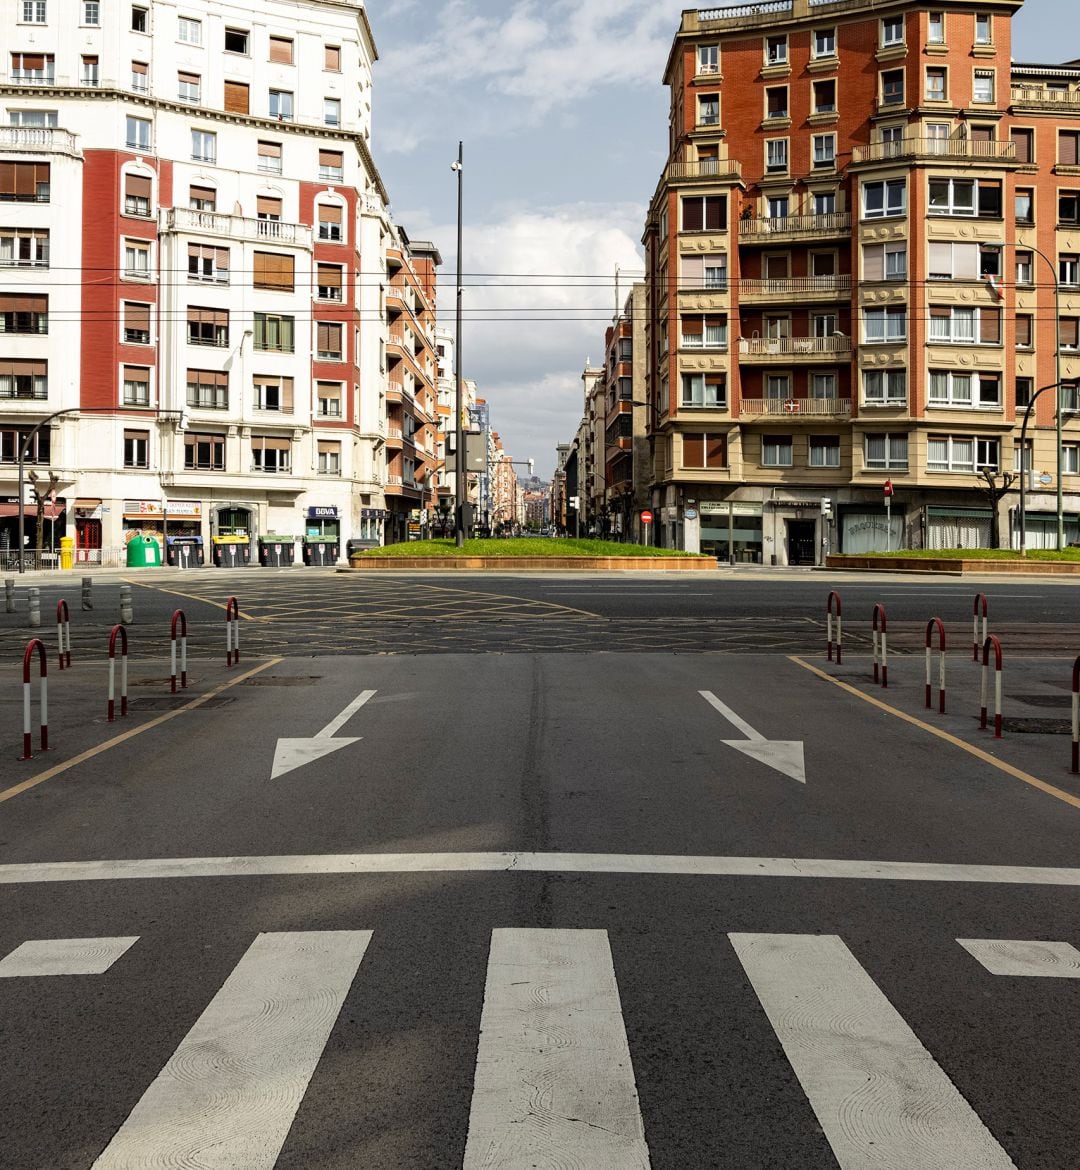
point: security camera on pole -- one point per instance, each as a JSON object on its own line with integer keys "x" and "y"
{"x": 888, "y": 489}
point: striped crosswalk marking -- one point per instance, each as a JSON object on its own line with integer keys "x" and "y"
{"x": 229, "y": 1093}
{"x": 880, "y": 1097}
{"x": 64, "y": 956}
{"x": 1048, "y": 960}
{"x": 554, "y": 1085}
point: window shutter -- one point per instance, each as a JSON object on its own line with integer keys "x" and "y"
{"x": 331, "y": 158}
{"x": 332, "y": 57}
{"x": 874, "y": 262}
{"x": 140, "y": 69}
{"x": 965, "y": 261}
{"x": 187, "y": 78}
{"x": 268, "y": 205}
{"x": 281, "y": 50}
{"x": 330, "y": 275}
{"x": 989, "y": 326}
{"x": 1023, "y": 330}
{"x": 137, "y": 317}
{"x": 327, "y": 447}
{"x": 693, "y": 271}
{"x": 274, "y": 271}
{"x": 329, "y": 213}
{"x": 202, "y": 195}
{"x": 1022, "y": 142}
{"x": 1069, "y": 334}
{"x": 693, "y": 327}
{"x": 329, "y": 390}
{"x": 1067, "y": 152}
{"x": 270, "y": 443}
{"x": 236, "y": 97}
{"x": 693, "y": 450}
{"x": 715, "y": 451}
{"x": 715, "y": 212}
{"x": 941, "y": 257}
{"x": 269, "y": 150}
{"x": 137, "y": 186}
{"x": 693, "y": 214}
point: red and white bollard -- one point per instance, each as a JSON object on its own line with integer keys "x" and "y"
{"x": 881, "y": 646}
{"x": 834, "y": 597}
{"x": 991, "y": 640}
{"x": 63, "y": 633}
{"x": 121, "y": 633}
{"x": 930, "y": 625}
{"x": 35, "y": 646}
{"x": 976, "y": 640}
{"x": 232, "y": 632}
{"x": 1076, "y": 717}
{"x": 179, "y": 618}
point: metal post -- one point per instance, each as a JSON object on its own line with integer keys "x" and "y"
{"x": 35, "y": 609}
{"x": 127, "y": 613}
{"x": 459, "y": 427}
{"x": 9, "y": 594}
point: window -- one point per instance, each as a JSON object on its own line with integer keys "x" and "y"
{"x": 824, "y": 93}
{"x": 960, "y": 261}
{"x": 274, "y": 333}
{"x": 42, "y": 118}
{"x": 33, "y": 11}
{"x": 824, "y": 43}
{"x": 776, "y": 101}
{"x": 329, "y": 282}
{"x": 708, "y": 59}
{"x": 886, "y": 452}
{"x": 208, "y": 389}
{"x": 884, "y": 198}
{"x": 892, "y": 87}
{"x": 704, "y": 213}
{"x": 960, "y": 325}
{"x": 778, "y": 206}
{"x": 1025, "y": 387}
{"x": 203, "y": 146}
{"x": 1070, "y": 459}
{"x": 884, "y": 387}
{"x": 208, "y": 263}
{"x": 331, "y": 165}
{"x": 140, "y": 77}
{"x": 983, "y": 29}
{"x": 329, "y": 457}
{"x": 138, "y": 133}
{"x": 935, "y": 29}
{"x": 20, "y": 379}
{"x": 270, "y": 158}
{"x": 202, "y": 198}
{"x": 281, "y": 105}
{"x": 823, "y": 386}
{"x": 936, "y": 84}
{"x": 281, "y": 50}
{"x": 892, "y": 31}
{"x": 274, "y": 271}
{"x": 885, "y": 325}
{"x": 626, "y": 349}
{"x": 88, "y": 72}
{"x": 704, "y": 391}
{"x": 1069, "y": 333}
{"x": 332, "y": 58}
{"x": 885, "y": 261}
{"x": 328, "y": 399}
{"x": 776, "y": 50}
{"x": 705, "y": 271}
{"x": 1068, "y": 207}
{"x": 91, "y": 13}
{"x": 136, "y": 448}
{"x": 1024, "y": 205}
{"x": 704, "y": 332}
{"x": 962, "y": 453}
{"x": 329, "y": 341}
{"x": 1024, "y": 334}
{"x": 24, "y": 248}
{"x": 21, "y": 313}
{"x": 207, "y": 326}
{"x": 237, "y": 97}
{"x": 823, "y": 325}
{"x": 236, "y": 41}
{"x": 977, "y": 197}
{"x": 704, "y": 451}
{"x": 1068, "y": 269}
{"x": 708, "y": 109}
{"x": 273, "y": 393}
{"x": 962, "y": 389}
{"x": 189, "y": 31}
{"x": 140, "y": 19}
{"x": 824, "y": 202}
{"x": 776, "y": 451}
{"x": 331, "y": 111}
{"x": 33, "y": 68}
{"x": 204, "y": 452}
{"x": 776, "y": 155}
{"x": 271, "y": 455}
{"x": 136, "y": 386}
{"x": 136, "y": 323}
{"x": 12, "y": 440}
{"x": 825, "y": 150}
{"x": 136, "y": 260}
{"x": 329, "y": 222}
{"x": 268, "y": 212}
{"x": 983, "y": 87}
{"x": 1068, "y": 148}
{"x": 188, "y": 88}
{"x": 824, "y": 451}
{"x": 1025, "y": 262}
{"x": 137, "y": 193}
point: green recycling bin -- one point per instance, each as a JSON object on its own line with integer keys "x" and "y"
{"x": 143, "y": 552}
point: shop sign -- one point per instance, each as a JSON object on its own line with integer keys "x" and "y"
{"x": 151, "y": 509}
{"x": 373, "y": 514}
{"x": 723, "y": 508}
{"x": 319, "y": 513}
{"x": 184, "y": 509}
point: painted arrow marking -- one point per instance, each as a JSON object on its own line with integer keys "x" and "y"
{"x": 783, "y": 755}
{"x": 295, "y": 753}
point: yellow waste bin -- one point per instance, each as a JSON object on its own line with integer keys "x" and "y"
{"x": 67, "y": 552}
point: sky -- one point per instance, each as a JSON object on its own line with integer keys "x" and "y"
{"x": 563, "y": 115}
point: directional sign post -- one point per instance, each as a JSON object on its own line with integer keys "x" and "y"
{"x": 888, "y": 489}
{"x": 295, "y": 753}
{"x": 785, "y": 756}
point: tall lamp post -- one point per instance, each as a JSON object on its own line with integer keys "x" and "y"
{"x": 1024, "y": 472}
{"x": 459, "y": 424}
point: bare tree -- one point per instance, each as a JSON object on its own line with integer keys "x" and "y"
{"x": 995, "y": 489}
{"x": 42, "y": 495}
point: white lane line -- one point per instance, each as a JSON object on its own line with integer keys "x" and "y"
{"x": 554, "y": 1085}
{"x": 730, "y": 716}
{"x": 64, "y": 956}
{"x": 228, "y": 1094}
{"x": 881, "y": 1098}
{"x": 1048, "y": 960}
{"x": 675, "y": 865}
{"x": 339, "y": 721}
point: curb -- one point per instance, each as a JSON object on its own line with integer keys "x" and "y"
{"x": 635, "y": 564}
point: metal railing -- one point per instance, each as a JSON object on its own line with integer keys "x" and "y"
{"x": 793, "y": 346}
{"x": 796, "y": 407}
{"x": 235, "y": 227}
{"x": 705, "y": 168}
{"x": 840, "y": 282}
{"x": 947, "y": 148}
{"x": 833, "y": 223}
{"x": 1038, "y": 95}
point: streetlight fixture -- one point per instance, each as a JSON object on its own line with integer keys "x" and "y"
{"x": 1024, "y": 472}
{"x": 459, "y": 426}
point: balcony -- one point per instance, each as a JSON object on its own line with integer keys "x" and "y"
{"x": 38, "y": 140}
{"x": 796, "y": 289}
{"x": 235, "y": 227}
{"x": 958, "y": 149}
{"x": 1038, "y": 97}
{"x": 788, "y": 228}
{"x": 784, "y": 351}
{"x": 788, "y": 409}
{"x": 704, "y": 169}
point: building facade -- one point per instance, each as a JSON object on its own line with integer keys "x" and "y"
{"x": 194, "y": 244}
{"x": 857, "y": 257}
{"x": 627, "y": 462}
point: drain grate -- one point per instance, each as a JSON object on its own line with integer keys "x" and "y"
{"x": 283, "y": 680}
{"x": 171, "y": 702}
{"x": 1060, "y": 701}
{"x": 1037, "y": 726}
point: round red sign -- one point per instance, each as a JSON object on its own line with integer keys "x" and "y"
{"x": 646, "y": 517}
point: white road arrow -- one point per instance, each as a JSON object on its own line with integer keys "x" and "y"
{"x": 785, "y": 756}
{"x": 295, "y": 753}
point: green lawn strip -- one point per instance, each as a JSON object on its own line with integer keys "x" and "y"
{"x": 980, "y": 554}
{"x": 521, "y": 547}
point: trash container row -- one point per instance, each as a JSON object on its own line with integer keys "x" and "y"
{"x": 229, "y": 552}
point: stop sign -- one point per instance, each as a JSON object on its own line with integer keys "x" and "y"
{"x": 646, "y": 517}
{"x": 888, "y": 487}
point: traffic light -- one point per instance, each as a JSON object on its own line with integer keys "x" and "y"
{"x": 573, "y": 501}
{"x": 826, "y": 508}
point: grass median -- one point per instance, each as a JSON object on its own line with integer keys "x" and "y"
{"x": 980, "y": 554}
{"x": 522, "y": 546}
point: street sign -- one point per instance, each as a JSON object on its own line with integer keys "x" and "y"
{"x": 646, "y": 517}
{"x": 888, "y": 487}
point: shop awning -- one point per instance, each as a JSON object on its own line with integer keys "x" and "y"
{"x": 52, "y": 511}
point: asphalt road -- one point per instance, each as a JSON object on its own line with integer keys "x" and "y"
{"x": 476, "y": 901}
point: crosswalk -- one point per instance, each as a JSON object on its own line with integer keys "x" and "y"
{"x": 554, "y": 1082}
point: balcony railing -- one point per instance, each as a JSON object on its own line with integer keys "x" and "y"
{"x": 235, "y": 227}
{"x": 796, "y": 285}
{"x": 833, "y": 224}
{"x": 1037, "y": 95}
{"x": 43, "y": 139}
{"x": 705, "y": 168}
{"x": 945, "y": 148}
{"x": 786, "y": 347}
{"x": 796, "y": 407}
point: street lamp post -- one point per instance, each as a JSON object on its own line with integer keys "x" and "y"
{"x": 459, "y": 426}
{"x": 1024, "y": 470}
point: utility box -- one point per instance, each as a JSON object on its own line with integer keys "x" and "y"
{"x": 231, "y": 551}
{"x": 184, "y": 552}
{"x": 275, "y": 551}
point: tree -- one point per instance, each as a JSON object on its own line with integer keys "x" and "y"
{"x": 42, "y": 495}
{"x": 995, "y": 491}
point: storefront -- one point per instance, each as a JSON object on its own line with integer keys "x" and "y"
{"x": 54, "y": 521}
{"x": 731, "y": 531}
{"x": 323, "y": 523}
{"x": 160, "y": 519}
{"x": 370, "y": 532}
{"x": 950, "y": 527}
{"x": 89, "y": 514}
{"x": 866, "y": 528}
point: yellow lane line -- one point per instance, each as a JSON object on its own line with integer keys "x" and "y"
{"x": 978, "y": 753}
{"x": 190, "y": 596}
{"x": 41, "y": 777}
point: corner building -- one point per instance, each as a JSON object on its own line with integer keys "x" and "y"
{"x": 845, "y": 284}
{"x": 193, "y": 244}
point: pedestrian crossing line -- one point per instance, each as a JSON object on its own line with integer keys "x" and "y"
{"x": 881, "y": 1098}
{"x": 229, "y": 1093}
{"x": 1046, "y": 960}
{"x": 554, "y": 1084}
{"x": 64, "y": 956}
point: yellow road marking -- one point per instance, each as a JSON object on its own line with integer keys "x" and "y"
{"x": 189, "y": 596}
{"x": 41, "y": 777}
{"x": 971, "y": 749}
